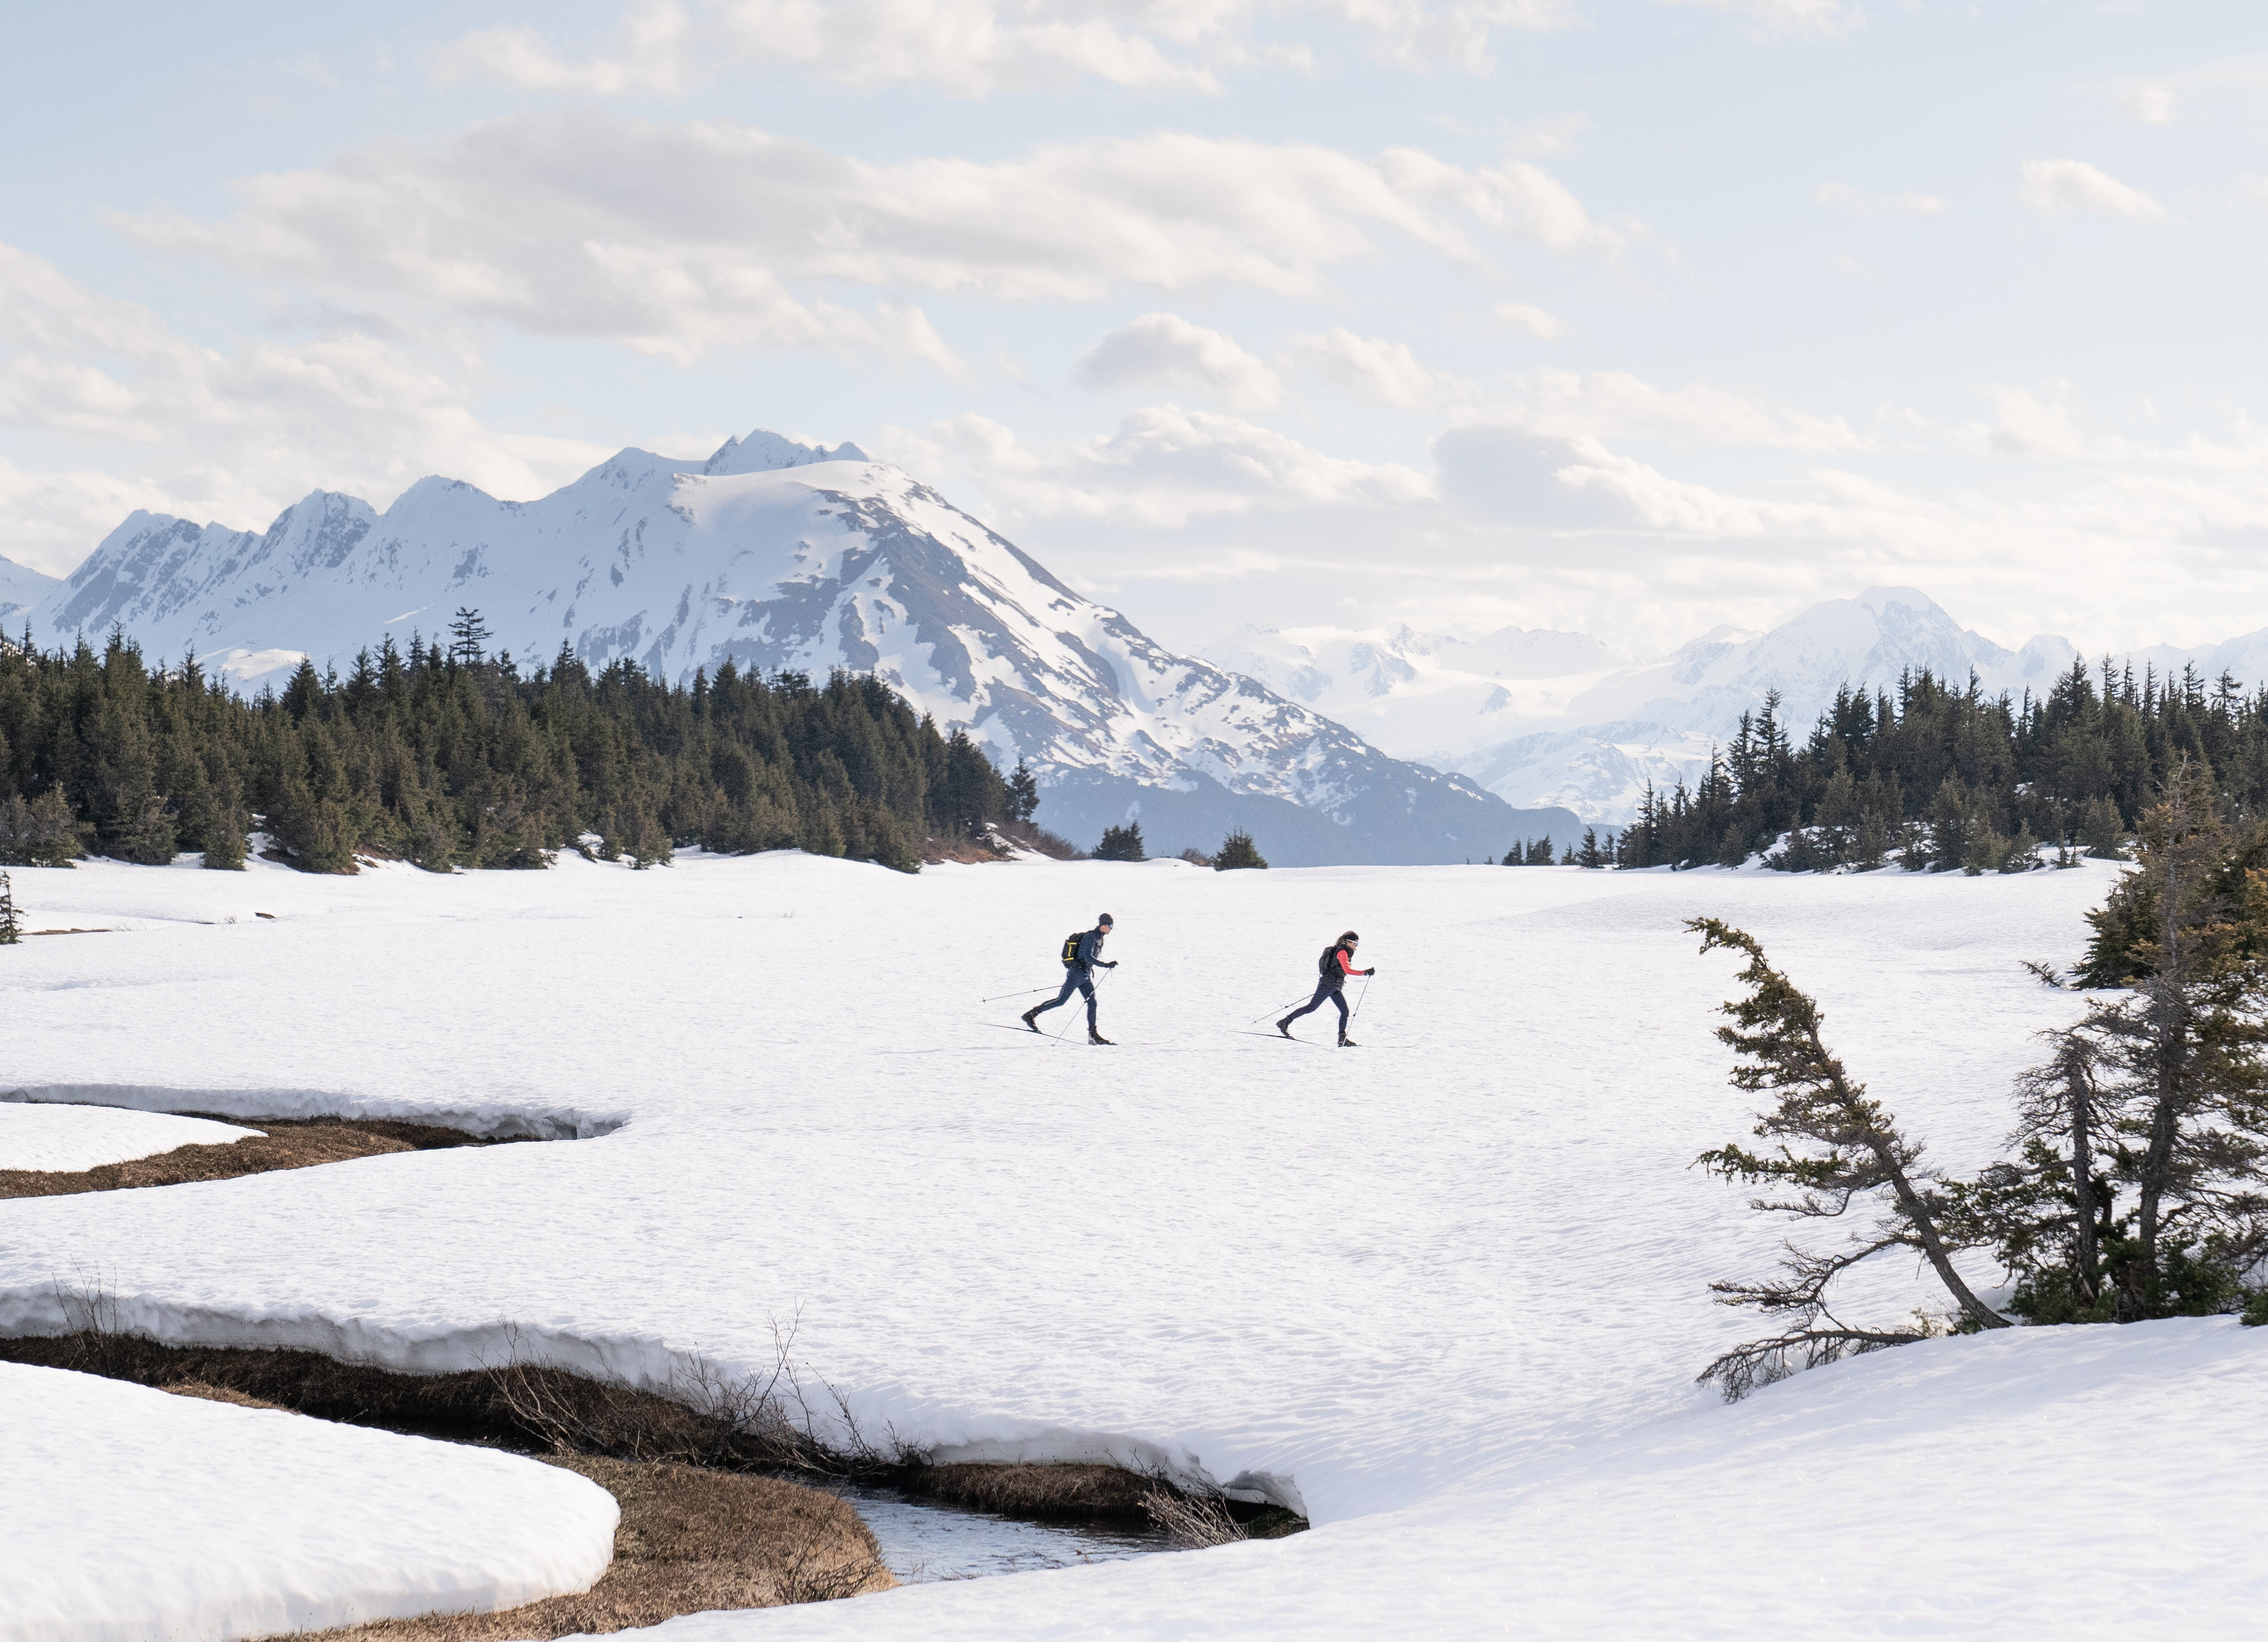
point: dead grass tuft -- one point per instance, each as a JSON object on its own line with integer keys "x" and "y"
{"x": 288, "y": 1143}
{"x": 1192, "y": 1521}
{"x": 209, "y": 1393}
{"x": 690, "y": 1541}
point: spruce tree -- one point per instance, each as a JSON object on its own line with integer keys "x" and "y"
{"x": 1237, "y": 851}
{"x": 1833, "y": 1149}
{"x": 1023, "y": 793}
{"x": 10, "y": 928}
{"x": 1121, "y": 843}
{"x": 469, "y": 636}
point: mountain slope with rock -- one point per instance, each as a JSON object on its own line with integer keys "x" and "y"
{"x": 774, "y": 555}
{"x": 21, "y": 588}
{"x": 1559, "y": 718}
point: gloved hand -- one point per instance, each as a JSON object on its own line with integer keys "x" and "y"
{"x": 1110, "y": 963}
{"x": 1372, "y": 970}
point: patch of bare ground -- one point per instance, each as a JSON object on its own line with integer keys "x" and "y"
{"x": 287, "y": 1143}
{"x": 690, "y": 1541}
{"x": 999, "y": 841}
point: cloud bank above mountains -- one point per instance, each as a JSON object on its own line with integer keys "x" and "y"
{"x": 1465, "y": 313}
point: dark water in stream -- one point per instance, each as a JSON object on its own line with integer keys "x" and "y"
{"x": 930, "y": 1541}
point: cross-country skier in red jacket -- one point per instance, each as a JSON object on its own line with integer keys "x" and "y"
{"x": 1336, "y": 964}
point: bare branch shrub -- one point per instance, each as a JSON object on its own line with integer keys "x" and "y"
{"x": 1192, "y": 1521}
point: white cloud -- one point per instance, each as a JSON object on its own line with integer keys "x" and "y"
{"x": 1164, "y": 350}
{"x": 1531, "y": 319}
{"x": 976, "y": 47}
{"x": 1817, "y": 18}
{"x": 677, "y": 240}
{"x": 2055, "y": 186}
{"x": 1163, "y": 468}
{"x": 1912, "y": 203}
{"x": 1373, "y": 368}
{"x": 1614, "y": 404}
{"x": 2028, "y": 425}
{"x": 231, "y": 433}
{"x": 2152, "y": 103}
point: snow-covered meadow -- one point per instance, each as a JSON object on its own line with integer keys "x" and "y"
{"x": 1447, "y": 1293}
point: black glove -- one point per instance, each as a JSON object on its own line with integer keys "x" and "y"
{"x": 1113, "y": 964}
{"x": 1372, "y": 970}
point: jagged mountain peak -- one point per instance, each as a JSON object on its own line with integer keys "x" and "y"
{"x": 763, "y": 451}
{"x": 776, "y": 555}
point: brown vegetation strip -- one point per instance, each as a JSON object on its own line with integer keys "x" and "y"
{"x": 288, "y": 1143}
{"x": 1071, "y": 1493}
{"x": 690, "y": 1541}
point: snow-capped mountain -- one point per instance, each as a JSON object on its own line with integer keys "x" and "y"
{"x": 1568, "y": 723}
{"x": 774, "y": 555}
{"x": 21, "y": 588}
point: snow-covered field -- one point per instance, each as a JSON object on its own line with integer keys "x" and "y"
{"x": 44, "y": 1137}
{"x": 134, "y": 1514}
{"x": 1445, "y": 1292}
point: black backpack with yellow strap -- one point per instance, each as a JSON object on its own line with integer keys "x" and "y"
{"x": 1070, "y": 948}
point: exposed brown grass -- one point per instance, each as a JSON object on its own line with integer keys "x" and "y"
{"x": 690, "y": 1541}
{"x": 1072, "y": 1493}
{"x": 1031, "y": 835}
{"x": 514, "y": 1405}
{"x": 206, "y": 1392}
{"x": 287, "y": 1143}
{"x": 1192, "y": 1522}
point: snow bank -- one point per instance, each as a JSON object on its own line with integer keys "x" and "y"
{"x": 2078, "y": 1483}
{"x": 1404, "y": 1287}
{"x": 71, "y": 1138}
{"x": 135, "y": 1514}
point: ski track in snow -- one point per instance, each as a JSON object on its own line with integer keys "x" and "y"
{"x": 1447, "y": 1291}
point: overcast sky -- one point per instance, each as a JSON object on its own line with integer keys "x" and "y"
{"x": 1633, "y": 316}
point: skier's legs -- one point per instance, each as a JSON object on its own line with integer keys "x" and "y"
{"x": 1323, "y": 989}
{"x": 1072, "y": 982}
{"x": 1339, "y": 998}
{"x": 1086, "y": 985}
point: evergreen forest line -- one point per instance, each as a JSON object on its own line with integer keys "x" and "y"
{"x": 1937, "y": 778}
{"x": 449, "y": 758}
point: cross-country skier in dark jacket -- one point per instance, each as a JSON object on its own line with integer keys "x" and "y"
{"x": 1336, "y": 964}
{"x": 1082, "y": 956}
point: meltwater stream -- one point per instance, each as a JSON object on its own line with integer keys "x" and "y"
{"x": 930, "y": 1541}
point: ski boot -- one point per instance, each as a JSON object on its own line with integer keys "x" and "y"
{"x": 1095, "y": 1037}
{"x": 1284, "y": 1026}
{"x": 1032, "y": 1019}
{"x": 1346, "y": 1042}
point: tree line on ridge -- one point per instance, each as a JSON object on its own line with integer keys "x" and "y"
{"x": 1934, "y": 777}
{"x": 448, "y": 757}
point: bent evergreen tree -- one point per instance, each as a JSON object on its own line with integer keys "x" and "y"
{"x": 1834, "y": 1149}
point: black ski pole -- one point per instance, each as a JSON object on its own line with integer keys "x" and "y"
{"x": 1026, "y": 993}
{"x": 1357, "y": 1001}
{"x": 1279, "y": 1009}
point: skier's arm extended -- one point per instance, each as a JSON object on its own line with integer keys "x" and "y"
{"x": 1346, "y": 964}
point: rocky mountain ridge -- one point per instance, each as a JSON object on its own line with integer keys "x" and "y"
{"x": 776, "y": 555}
